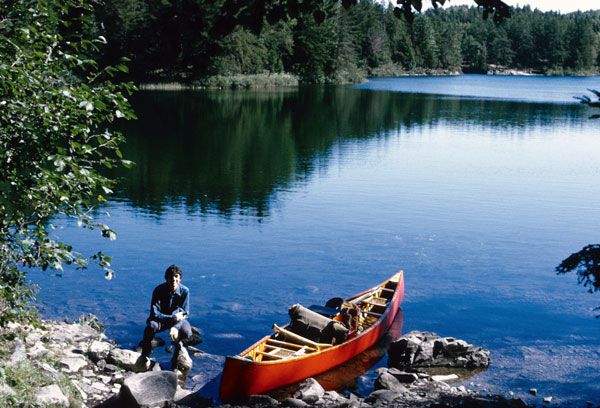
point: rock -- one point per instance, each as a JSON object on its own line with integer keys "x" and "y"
{"x": 444, "y": 378}
{"x": 151, "y": 388}
{"x": 18, "y": 353}
{"x": 37, "y": 349}
{"x": 101, "y": 364}
{"x": 82, "y": 393}
{"x": 294, "y": 403}
{"x": 48, "y": 368}
{"x": 104, "y": 378}
{"x": 332, "y": 398}
{"x": 111, "y": 368}
{"x": 99, "y": 386}
{"x": 122, "y": 358}
{"x": 403, "y": 376}
{"x": 402, "y": 352}
{"x": 51, "y": 394}
{"x": 387, "y": 381}
{"x": 547, "y": 400}
{"x": 422, "y": 349}
{"x": 262, "y": 401}
{"x": 424, "y": 353}
{"x": 310, "y": 391}
{"x": 379, "y": 396}
{"x": 98, "y": 350}
{"x": 533, "y": 391}
{"x": 73, "y": 364}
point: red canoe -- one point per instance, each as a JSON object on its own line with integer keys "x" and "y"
{"x": 286, "y": 358}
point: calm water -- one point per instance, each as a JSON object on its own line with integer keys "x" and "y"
{"x": 266, "y": 199}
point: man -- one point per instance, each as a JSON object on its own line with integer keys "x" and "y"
{"x": 169, "y": 309}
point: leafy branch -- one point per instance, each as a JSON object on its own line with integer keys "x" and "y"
{"x": 55, "y": 140}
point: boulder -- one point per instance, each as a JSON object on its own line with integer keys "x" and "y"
{"x": 310, "y": 391}
{"x": 386, "y": 381}
{"x": 51, "y": 394}
{"x": 422, "y": 349}
{"x": 151, "y": 388}
{"x": 122, "y": 358}
{"x": 403, "y": 376}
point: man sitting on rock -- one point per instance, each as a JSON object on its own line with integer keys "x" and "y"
{"x": 169, "y": 310}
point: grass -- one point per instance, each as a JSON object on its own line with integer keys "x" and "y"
{"x": 238, "y": 81}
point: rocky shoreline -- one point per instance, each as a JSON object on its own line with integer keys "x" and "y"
{"x": 76, "y": 365}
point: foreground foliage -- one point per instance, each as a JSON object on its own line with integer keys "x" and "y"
{"x": 55, "y": 106}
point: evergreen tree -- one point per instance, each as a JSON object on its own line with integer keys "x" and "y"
{"x": 501, "y": 52}
{"x": 402, "y": 50}
{"x": 582, "y": 43}
{"x": 426, "y": 46}
{"x": 315, "y": 44}
{"x": 450, "y": 47}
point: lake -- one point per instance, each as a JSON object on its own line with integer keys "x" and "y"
{"x": 477, "y": 187}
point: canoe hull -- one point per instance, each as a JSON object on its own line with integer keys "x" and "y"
{"x": 242, "y": 377}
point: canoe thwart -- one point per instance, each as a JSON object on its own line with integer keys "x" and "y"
{"x": 287, "y": 344}
{"x": 297, "y": 337}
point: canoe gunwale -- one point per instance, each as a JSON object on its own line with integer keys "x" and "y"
{"x": 374, "y": 326}
{"x": 319, "y": 361}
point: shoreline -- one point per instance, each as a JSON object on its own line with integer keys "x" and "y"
{"x": 77, "y": 365}
{"x": 289, "y": 81}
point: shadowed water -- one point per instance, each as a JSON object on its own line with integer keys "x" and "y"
{"x": 270, "y": 198}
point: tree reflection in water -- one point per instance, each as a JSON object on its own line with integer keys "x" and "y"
{"x": 235, "y": 152}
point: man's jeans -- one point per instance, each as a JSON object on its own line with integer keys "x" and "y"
{"x": 153, "y": 327}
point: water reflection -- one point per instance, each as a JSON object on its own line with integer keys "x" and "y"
{"x": 233, "y": 152}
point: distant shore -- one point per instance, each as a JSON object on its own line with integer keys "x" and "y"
{"x": 287, "y": 80}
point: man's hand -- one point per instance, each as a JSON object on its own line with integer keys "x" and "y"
{"x": 179, "y": 316}
{"x": 174, "y": 334}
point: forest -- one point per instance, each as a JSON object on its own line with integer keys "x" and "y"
{"x": 183, "y": 40}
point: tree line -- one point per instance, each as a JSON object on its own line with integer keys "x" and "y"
{"x": 179, "y": 39}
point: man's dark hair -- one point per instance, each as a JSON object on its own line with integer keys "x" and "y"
{"x": 172, "y": 271}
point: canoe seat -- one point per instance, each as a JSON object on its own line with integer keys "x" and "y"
{"x": 375, "y": 301}
{"x": 279, "y": 352}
